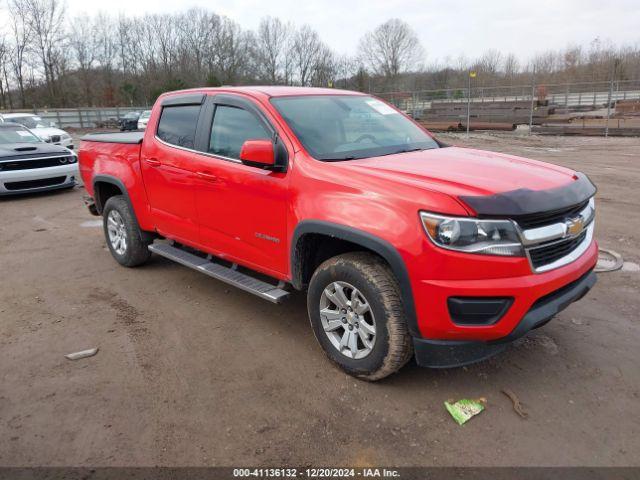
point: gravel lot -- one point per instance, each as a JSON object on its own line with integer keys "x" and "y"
{"x": 192, "y": 372}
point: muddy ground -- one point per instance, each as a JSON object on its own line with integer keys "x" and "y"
{"x": 193, "y": 372}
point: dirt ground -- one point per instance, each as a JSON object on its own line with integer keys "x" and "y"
{"x": 193, "y": 372}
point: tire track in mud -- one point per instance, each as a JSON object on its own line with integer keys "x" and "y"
{"x": 147, "y": 350}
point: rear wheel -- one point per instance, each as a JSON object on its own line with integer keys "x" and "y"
{"x": 123, "y": 234}
{"x": 357, "y": 315}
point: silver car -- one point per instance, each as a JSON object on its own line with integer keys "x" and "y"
{"x": 27, "y": 164}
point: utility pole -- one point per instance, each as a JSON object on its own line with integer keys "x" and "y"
{"x": 613, "y": 74}
{"x": 472, "y": 74}
{"x": 533, "y": 95}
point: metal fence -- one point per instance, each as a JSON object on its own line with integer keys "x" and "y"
{"x": 82, "y": 117}
{"x": 586, "y": 94}
{"x": 533, "y": 104}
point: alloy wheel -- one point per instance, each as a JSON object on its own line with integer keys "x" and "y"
{"x": 347, "y": 320}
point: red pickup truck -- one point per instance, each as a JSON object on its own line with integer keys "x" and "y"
{"x": 405, "y": 246}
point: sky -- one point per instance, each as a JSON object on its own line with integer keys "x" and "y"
{"x": 445, "y": 28}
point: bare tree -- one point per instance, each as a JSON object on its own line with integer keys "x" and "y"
{"x": 305, "y": 51}
{"x": 272, "y": 39}
{"x": 84, "y": 46}
{"x": 392, "y": 48}
{"x": 107, "y": 47}
{"x": 196, "y": 27}
{"x": 490, "y": 61}
{"x": 44, "y": 19}
{"x": 4, "y": 88}
{"x": 231, "y": 48}
{"x": 511, "y": 66}
{"x": 21, "y": 37}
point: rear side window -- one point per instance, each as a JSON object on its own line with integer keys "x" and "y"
{"x": 231, "y": 128}
{"x": 177, "y": 125}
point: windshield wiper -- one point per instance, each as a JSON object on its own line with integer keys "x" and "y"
{"x": 403, "y": 150}
{"x": 349, "y": 157}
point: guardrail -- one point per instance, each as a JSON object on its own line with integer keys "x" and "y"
{"x": 81, "y": 117}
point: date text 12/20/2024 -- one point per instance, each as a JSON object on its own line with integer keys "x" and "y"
{"x": 315, "y": 473}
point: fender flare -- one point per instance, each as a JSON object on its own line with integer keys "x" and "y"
{"x": 113, "y": 181}
{"x": 371, "y": 242}
{"x": 146, "y": 236}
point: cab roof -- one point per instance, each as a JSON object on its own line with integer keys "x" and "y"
{"x": 273, "y": 91}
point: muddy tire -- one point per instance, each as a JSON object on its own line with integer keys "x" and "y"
{"x": 356, "y": 313}
{"x": 123, "y": 236}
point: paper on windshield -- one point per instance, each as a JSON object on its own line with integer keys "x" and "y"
{"x": 23, "y": 133}
{"x": 381, "y": 107}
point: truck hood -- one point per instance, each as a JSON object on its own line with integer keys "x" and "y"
{"x": 25, "y": 150}
{"x": 465, "y": 173}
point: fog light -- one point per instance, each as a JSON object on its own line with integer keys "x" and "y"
{"x": 478, "y": 310}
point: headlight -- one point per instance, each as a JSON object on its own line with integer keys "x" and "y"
{"x": 470, "y": 235}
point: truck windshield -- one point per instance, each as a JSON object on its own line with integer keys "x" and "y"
{"x": 16, "y": 134}
{"x": 346, "y": 127}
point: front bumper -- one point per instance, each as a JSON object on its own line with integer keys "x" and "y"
{"x": 38, "y": 179}
{"x": 65, "y": 142}
{"x": 448, "y": 353}
{"x": 450, "y": 274}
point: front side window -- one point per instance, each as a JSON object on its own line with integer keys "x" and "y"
{"x": 346, "y": 127}
{"x": 232, "y": 127}
{"x": 16, "y": 134}
{"x": 177, "y": 125}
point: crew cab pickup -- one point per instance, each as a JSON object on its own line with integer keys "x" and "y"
{"x": 405, "y": 246}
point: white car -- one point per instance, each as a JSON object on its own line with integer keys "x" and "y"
{"x": 144, "y": 119}
{"x": 28, "y": 164}
{"x": 45, "y": 130}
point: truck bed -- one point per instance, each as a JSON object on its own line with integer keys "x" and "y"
{"x": 115, "y": 137}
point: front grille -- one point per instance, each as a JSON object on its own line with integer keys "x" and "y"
{"x": 55, "y": 138}
{"x": 44, "y": 182}
{"x": 13, "y": 165}
{"x": 536, "y": 220}
{"x": 550, "y": 252}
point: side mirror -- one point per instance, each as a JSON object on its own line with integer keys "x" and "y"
{"x": 259, "y": 152}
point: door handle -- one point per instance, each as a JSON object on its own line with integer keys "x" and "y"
{"x": 154, "y": 162}
{"x": 209, "y": 177}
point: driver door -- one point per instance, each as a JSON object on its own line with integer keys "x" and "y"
{"x": 241, "y": 208}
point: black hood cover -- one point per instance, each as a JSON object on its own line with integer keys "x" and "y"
{"x": 526, "y": 202}
{"x": 22, "y": 150}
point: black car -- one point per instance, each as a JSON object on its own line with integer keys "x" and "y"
{"x": 27, "y": 164}
{"x": 129, "y": 121}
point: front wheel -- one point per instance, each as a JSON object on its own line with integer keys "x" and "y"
{"x": 123, "y": 234}
{"x": 357, "y": 316}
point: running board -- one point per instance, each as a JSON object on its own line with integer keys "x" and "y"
{"x": 225, "y": 274}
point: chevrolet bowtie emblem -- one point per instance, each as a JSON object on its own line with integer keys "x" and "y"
{"x": 574, "y": 226}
